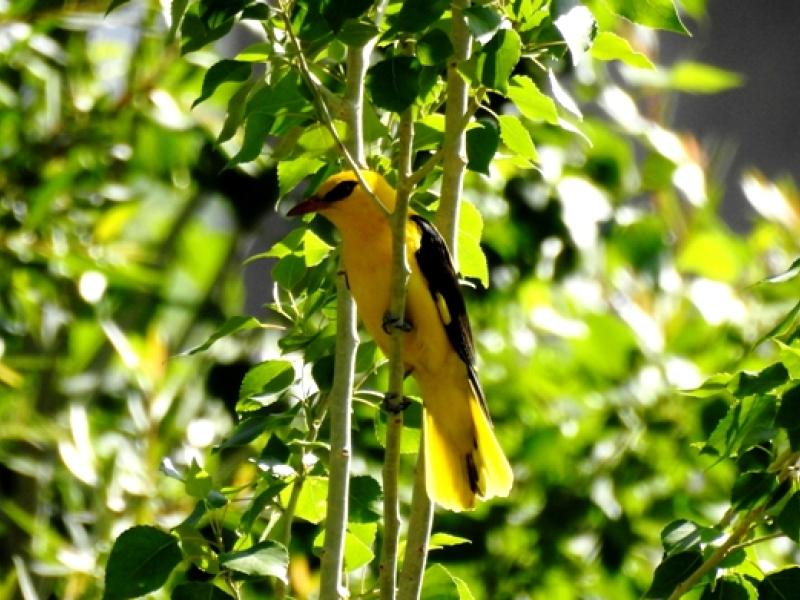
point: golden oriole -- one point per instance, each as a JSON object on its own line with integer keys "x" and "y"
{"x": 463, "y": 459}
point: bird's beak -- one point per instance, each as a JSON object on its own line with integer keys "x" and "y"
{"x": 309, "y": 205}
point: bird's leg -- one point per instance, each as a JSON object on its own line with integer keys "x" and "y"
{"x": 343, "y": 273}
{"x": 394, "y": 403}
{"x": 391, "y": 322}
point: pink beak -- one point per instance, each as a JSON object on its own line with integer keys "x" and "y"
{"x": 309, "y": 205}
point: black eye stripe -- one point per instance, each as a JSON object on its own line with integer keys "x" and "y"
{"x": 340, "y": 191}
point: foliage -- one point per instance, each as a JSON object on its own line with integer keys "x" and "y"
{"x": 604, "y": 283}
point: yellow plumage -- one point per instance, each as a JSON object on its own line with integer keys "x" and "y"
{"x": 463, "y": 459}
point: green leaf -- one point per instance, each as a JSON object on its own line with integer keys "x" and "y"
{"x": 312, "y": 503}
{"x": 789, "y": 518}
{"x": 660, "y": 14}
{"x": 337, "y": 12}
{"x": 246, "y": 431}
{"x": 788, "y": 415}
{"x": 222, "y": 72}
{"x": 357, "y": 33}
{"x": 258, "y": 52}
{"x": 610, "y": 46}
{"x": 516, "y": 137}
{"x": 292, "y": 172}
{"x": 256, "y": 128}
{"x": 750, "y": 488}
{"x": 315, "y": 249}
{"x": 531, "y": 101}
{"x": 697, "y": 78}
{"x": 434, "y": 48}
{"x": 284, "y": 96}
{"x": 195, "y": 33}
{"x": 712, "y": 254}
{"x": 365, "y": 492}
{"x": 747, "y": 423}
{"x": 471, "y": 259}
{"x": 443, "y": 540}
{"x": 195, "y": 590}
{"x": 232, "y": 325}
{"x": 176, "y": 10}
{"x": 780, "y": 585}
{"x": 762, "y": 382}
{"x": 289, "y": 271}
{"x": 198, "y": 481}
{"x": 394, "y": 83}
{"x": 265, "y": 559}
{"x": 416, "y": 15}
{"x": 439, "y": 584}
{"x": 268, "y": 377}
{"x": 358, "y": 541}
{"x": 681, "y": 535}
{"x": 497, "y": 59}
{"x": 429, "y": 131}
{"x": 482, "y": 20}
{"x": 672, "y": 571}
{"x": 482, "y": 142}
{"x": 730, "y": 587}
{"x": 236, "y": 107}
{"x": 141, "y": 560}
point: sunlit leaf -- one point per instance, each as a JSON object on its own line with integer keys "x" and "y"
{"x": 268, "y": 377}
{"x": 609, "y": 46}
{"x": 497, "y": 59}
{"x": 531, "y": 102}
{"x": 266, "y": 559}
{"x": 471, "y": 259}
{"x": 516, "y": 137}
{"x": 660, "y": 14}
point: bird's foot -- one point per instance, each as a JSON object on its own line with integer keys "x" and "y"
{"x": 394, "y": 403}
{"x": 390, "y": 323}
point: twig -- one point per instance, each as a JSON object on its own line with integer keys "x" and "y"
{"x": 322, "y": 108}
{"x": 394, "y": 399}
{"x": 419, "y": 533}
{"x": 346, "y": 343}
{"x": 457, "y": 115}
{"x": 719, "y": 554}
{"x": 454, "y": 144}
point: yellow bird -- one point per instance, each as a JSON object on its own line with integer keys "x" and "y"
{"x": 463, "y": 459}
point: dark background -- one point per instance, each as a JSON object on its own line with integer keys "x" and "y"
{"x": 757, "y": 124}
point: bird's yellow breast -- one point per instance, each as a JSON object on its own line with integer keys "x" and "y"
{"x": 368, "y": 266}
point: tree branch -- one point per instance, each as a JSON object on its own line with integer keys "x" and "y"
{"x": 457, "y": 115}
{"x": 394, "y": 399}
{"x": 454, "y": 145}
{"x": 346, "y": 344}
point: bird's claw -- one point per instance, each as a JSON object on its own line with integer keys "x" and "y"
{"x": 390, "y": 323}
{"x": 394, "y": 403}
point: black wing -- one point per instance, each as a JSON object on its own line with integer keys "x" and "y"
{"x": 434, "y": 261}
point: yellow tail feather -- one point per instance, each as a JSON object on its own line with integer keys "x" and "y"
{"x": 462, "y": 463}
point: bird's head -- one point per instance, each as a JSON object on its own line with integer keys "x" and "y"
{"x": 341, "y": 197}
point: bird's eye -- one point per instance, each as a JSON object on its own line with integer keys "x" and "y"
{"x": 340, "y": 191}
